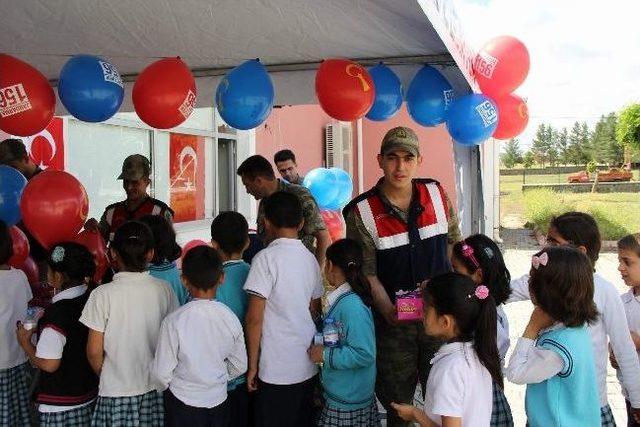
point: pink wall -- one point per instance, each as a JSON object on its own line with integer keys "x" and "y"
{"x": 301, "y": 129}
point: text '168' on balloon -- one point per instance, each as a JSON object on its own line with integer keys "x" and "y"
{"x": 472, "y": 119}
{"x": 501, "y": 66}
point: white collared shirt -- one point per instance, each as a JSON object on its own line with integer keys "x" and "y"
{"x": 128, "y": 311}
{"x": 530, "y": 364}
{"x": 459, "y": 386}
{"x": 287, "y": 275}
{"x": 610, "y": 328}
{"x": 336, "y": 293}
{"x": 51, "y": 344}
{"x": 200, "y": 348}
{"x": 15, "y": 294}
{"x": 631, "y": 304}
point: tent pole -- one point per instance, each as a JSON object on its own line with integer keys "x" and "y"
{"x": 360, "y": 158}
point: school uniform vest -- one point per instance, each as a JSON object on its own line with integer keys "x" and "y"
{"x": 407, "y": 252}
{"x": 569, "y": 398}
{"x": 74, "y": 382}
{"x": 117, "y": 214}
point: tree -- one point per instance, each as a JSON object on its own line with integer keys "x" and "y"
{"x": 528, "y": 160}
{"x": 628, "y": 130}
{"x": 604, "y": 146}
{"x": 562, "y": 142}
{"x": 577, "y": 150}
{"x": 512, "y": 154}
{"x": 542, "y": 143}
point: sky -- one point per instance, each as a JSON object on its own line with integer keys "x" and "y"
{"x": 585, "y": 55}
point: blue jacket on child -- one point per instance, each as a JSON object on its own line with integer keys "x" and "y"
{"x": 349, "y": 371}
{"x": 569, "y": 398}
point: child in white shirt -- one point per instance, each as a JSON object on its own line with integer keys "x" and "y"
{"x": 124, "y": 318}
{"x": 610, "y": 328}
{"x": 15, "y": 293}
{"x": 200, "y": 348}
{"x": 629, "y": 267}
{"x": 284, "y": 286}
{"x": 460, "y": 385}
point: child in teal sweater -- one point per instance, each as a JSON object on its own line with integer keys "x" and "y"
{"x": 230, "y": 237}
{"x": 348, "y": 370}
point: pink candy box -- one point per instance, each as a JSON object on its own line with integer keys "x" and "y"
{"x": 409, "y": 306}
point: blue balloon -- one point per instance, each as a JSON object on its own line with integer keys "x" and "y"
{"x": 12, "y": 184}
{"x": 323, "y": 185}
{"x": 428, "y": 97}
{"x": 244, "y": 97}
{"x": 388, "y": 98}
{"x": 345, "y": 189}
{"x": 472, "y": 119}
{"x": 90, "y": 88}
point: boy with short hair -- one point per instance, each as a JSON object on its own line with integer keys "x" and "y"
{"x": 200, "y": 347}
{"x": 230, "y": 236}
{"x": 284, "y": 287}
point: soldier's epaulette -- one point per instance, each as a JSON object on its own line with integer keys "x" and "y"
{"x": 162, "y": 205}
{"x": 357, "y": 200}
{"x": 426, "y": 181}
{"x": 112, "y": 206}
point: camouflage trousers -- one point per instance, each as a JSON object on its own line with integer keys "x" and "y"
{"x": 404, "y": 353}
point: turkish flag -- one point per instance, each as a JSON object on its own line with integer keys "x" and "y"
{"x": 46, "y": 148}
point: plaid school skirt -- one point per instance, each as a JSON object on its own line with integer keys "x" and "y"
{"x": 14, "y": 396}
{"x": 501, "y": 412}
{"x": 607, "y": 417}
{"x": 144, "y": 410}
{"x": 78, "y": 417}
{"x": 365, "y": 417}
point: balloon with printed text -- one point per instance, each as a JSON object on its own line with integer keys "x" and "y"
{"x": 90, "y": 88}
{"x": 344, "y": 89}
{"x": 513, "y": 116}
{"x": 501, "y": 66}
{"x": 27, "y": 101}
{"x": 472, "y": 119}
{"x": 164, "y": 94}
{"x": 428, "y": 97}
{"x": 54, "y": 207}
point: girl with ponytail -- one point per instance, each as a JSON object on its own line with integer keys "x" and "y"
{"x": 460, "y": 385}
{"x": 349, "y": 369}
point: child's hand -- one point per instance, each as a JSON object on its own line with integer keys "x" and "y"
{"x": 316, "y": 353}
{"x": 24, "y": 335}
{"x": 406, "y": 412}
{"x": 252, "y": 379}
{"x": 539, "y": 320}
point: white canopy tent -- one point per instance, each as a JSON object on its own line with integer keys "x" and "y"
{"x": 290, "y": 37}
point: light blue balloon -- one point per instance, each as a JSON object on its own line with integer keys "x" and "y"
{"x": 90, "y": 88}
{"x": 388, "y": 98}
{"x": 345, "y": 189}
{"x": 12, "y": 185}
{"x": 428, "y": 97}
{"x": 472, "y": 119}
{"x": 323, "y": 185}
{"x": 244, "y": 97}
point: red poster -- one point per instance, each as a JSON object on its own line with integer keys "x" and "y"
{"x": 186, "y": 174}
{"x": 46, "y": 148}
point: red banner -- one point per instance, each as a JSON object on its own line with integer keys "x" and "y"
{"x": 46, "y": 148}
{"x": 186, "y": 174}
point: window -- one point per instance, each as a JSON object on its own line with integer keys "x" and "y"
{"x": 226, "y": 175}
{"x": 94, "y": 155}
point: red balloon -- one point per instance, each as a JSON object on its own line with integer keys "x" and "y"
{"x": 20, "y": 247}
{"x": 501, "y": 66}
{"x": 164, "y": 94}
{"x": 345, "y": 89}
{"x": 335, "y": 224}
{"x": 54, "y": 207}
{"x": 27, "y": 101}
{"x": 513, "y": 116}
{"x": 192, "y": 244}
{"x": 31, "y": 270}
{"x": 93, "y": 241}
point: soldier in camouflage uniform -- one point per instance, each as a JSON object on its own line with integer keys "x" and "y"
{"x": 406, "y": 226}
{"x": 260, "y": 181}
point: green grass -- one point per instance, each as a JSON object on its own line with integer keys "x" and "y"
{"x": 617, "y": 213}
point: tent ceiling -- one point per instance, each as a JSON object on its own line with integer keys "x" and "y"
{"x": 289, "y": 36}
